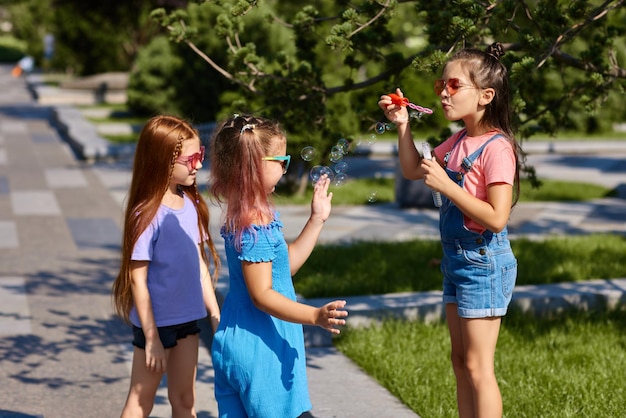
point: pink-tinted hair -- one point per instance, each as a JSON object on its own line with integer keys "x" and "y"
{"x": 237, "y": 150}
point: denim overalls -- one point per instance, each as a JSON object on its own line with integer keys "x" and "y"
{"x": 479, "y": 270}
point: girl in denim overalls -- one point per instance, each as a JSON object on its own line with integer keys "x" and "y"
{"x": 476, "y": 171}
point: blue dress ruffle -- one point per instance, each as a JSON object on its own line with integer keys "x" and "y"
{"x": 259, "y": 360}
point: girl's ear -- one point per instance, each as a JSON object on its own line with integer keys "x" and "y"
{"x": 486, "y": 96}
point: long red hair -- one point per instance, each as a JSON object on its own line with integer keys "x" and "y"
{"x": 158, "y": 147}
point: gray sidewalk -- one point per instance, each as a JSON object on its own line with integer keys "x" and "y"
{"x": 63, "y": 353}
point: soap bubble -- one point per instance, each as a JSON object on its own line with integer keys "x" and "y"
{"x": 414, "y": 114}
{"x": 336, "y": 154}
{"x": 308, "y": 153}
{"x": 318, "y": 171}
{"x": 340, "y": 179}
{"x": 380, "y": 128}
{"x": 344, "y": 145}
{"x": 341, "y": 167}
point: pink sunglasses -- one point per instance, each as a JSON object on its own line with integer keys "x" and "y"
{"x": 191, "y": 161}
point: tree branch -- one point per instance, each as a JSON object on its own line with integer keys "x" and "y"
{"x": 582, "y": 65}
{"x": 219, "y": 69}
{"x": 380, "y": 77}
{"x": 598, "y": 14}
{"x": 372, "y": 20}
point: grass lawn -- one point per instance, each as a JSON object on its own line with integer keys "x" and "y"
{"x": 358, "y": 192}
{"x": 371, "y": 268}
{"x": 11, "y": 49}
{"x": 571, "y": 365}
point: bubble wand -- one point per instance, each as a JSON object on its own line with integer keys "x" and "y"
{"x": 382, "y": 126}
{"x": 405, "y": 102}
{"x": 428, "y": 156}
{"x": 420, "y": 110}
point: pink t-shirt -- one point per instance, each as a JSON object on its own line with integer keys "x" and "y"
{"x": 496, "y": 164}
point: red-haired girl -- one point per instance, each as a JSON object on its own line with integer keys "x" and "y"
{"x": 258, "y": 349}
{"x": 164, "y": 286}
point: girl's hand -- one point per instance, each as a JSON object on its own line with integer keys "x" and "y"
{"x": 394, "y": 113}
{"x": 321, "y": 202}
{"x": 330, "y": 316}
{"x": 155, "y": 356}
{"x": 435, "y": 176}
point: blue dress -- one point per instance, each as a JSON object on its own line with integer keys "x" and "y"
{"x": 259, "y": 360}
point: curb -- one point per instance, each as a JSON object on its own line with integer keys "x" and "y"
{"x": 79, "y": 134}
{"x": 539, "y": 300}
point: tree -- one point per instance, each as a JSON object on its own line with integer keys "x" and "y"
{"x": 566, "y": 58}
{"x": 30, "y": 21}
{"x": 90, "y": 37}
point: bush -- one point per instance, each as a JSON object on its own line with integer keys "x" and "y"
{"x": 150, "y": 89}
{"x": 170, "y": 78}
{"x": 11, "y": 49}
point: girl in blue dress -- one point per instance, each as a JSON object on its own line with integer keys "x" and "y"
{"x": 258, "y": 349}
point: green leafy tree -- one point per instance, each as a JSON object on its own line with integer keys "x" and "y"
{"x": 90, "y": 36}
{"x": 95, "y": 37}
{"x": 172, "y": 79}
{"x": 30, "y": 21}
{"x": 566, "y": 58}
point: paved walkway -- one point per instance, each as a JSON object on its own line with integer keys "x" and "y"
{"x": 63, "y": 353}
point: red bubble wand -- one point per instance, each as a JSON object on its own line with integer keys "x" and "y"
{"x": 404, "y": 102}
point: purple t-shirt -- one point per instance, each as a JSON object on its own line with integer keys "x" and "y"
{"x": 170, "y": 243}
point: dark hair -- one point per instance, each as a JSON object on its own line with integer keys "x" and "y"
{"x": 485, "y": 70}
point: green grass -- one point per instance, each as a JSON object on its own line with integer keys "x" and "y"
{"x": 370, "y": 268}
{"x": 562, "y": 191}
{"x": 358, "y": 192}
{"x": 113, "y": 113}
{"x": 571, "y": 365}
{"x": 11, "y": 49}
{"x": 354, "y": 192}
{"x": 119, "y": 118}
{"x": 578, "y": 136}
{"x": 122, "y": 139}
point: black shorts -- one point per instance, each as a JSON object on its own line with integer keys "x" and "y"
{"x": 168, "y": 335}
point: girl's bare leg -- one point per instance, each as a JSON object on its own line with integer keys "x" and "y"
{"x": 480, "y": 337}
{"x": 464, "y": 392}
{"x": 182, "y": 365}
{"x": 143, "y": 387}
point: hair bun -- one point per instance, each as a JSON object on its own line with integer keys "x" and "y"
{"x": 496, "y": 49}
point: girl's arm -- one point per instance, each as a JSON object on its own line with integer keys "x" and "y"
{"x": 258, "y": 278}
{"x": 407, "y": 151}
{"x": 492, "y": 214}
{"x": 300, "y": 249}
{"x": 208, "y": 293}
{"x": 155, "y": 353}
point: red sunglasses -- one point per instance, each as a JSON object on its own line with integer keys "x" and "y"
{"x": 452, "y": 85}
{"x": 191, "y": 161}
